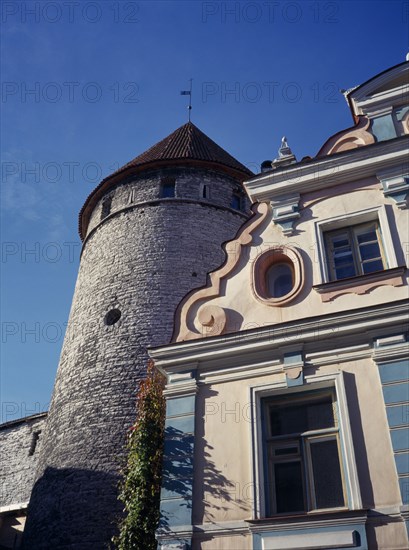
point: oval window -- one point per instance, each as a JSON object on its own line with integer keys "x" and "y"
{"x": 279, "y": 280}
{"x": 278, "y": 275}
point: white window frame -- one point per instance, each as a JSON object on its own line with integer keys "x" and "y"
{"x": 333, "y": 381}
{"x": 377, "y": 213}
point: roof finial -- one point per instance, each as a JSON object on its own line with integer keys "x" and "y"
{"x": 285, "y": 155}
{"x": 284, "y": 150}
{"x": 189, "y": 93}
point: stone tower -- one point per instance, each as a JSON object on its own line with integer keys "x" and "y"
{"x": 151, "y": 231}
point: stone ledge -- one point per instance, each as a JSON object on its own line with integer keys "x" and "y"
{"x": 361, "y": 284}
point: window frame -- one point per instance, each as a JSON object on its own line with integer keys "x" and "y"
{"x": 323, "y": 227}
{"x": 352, "y": 232}
{"x": 302, "y": 441}
{"x": 333, "y": 382}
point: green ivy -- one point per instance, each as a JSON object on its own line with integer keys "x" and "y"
{"x": 140, "y": 487}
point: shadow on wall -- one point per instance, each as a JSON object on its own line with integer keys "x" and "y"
{"x": 361, "y": 456}
{"x": 210, "y": 480}
{"x": 87, "y": 525}
{"x": 190, "y": 478}
{"x": 177, "y": 478}
{"x": 11, "y": 531}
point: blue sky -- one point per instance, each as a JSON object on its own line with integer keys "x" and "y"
{"x": 87, "y": 86}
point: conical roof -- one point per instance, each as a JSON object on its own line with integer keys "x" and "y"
{"x": 188, "y": 142}
{"x": 186, "y": 145}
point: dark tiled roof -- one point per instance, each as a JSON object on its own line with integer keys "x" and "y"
{"x": 188, "y": 142}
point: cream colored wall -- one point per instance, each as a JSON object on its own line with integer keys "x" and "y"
{"x": 226, "y": 461}
{"x": 237, "y": 542}
{"x": 223, "y": 454}
{"x": 236, "y": 296}
{"x": 386, "y": 535}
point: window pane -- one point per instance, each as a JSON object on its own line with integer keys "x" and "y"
{"x": 370, "y": 235}
{"x": 370, "y": 267}
{"x": 368, "y": 251}
{"x": 320, "y": 416}
{"x": 301, "y": 418}
{"x": 343, "y": 259}
{"x": 286, "y": 451}
{"x": 289, "y": 488}
{"x": 327, "y": 474}
{"x": 279, "y": 280}
{"x": 401, "y": 112}
{"x": 235, "y": 201}
{"x": 340, "y": 241}
{"x": 383, "y": 128}
{"x": 343, "y": 272}
{"x": 288, "y": 420}
{"x": 168, "y": 190}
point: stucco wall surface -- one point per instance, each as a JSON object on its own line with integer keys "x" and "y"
{"x": 236, "y": 296}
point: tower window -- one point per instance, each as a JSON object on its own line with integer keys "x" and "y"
{"x": 236, "y": 201}
{"x": 34, "y": 440}
{"x": 167, "y": 189}
{"x": 205, "y": 191}
{"x": 106, "y": 207}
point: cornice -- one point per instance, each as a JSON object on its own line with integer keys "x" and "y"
{"x": 358, "y": 324}
{"x": 313, "y": 520}
{"x": 328, "y": 171}
{"x": 365, "y": 92}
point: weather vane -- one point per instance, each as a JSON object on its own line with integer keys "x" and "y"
{"x": 189, "y": 93}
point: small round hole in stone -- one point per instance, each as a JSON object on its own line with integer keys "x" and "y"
{"x": 112, "y": 317}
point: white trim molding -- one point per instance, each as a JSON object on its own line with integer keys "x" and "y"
{"x": 328, "y": 171}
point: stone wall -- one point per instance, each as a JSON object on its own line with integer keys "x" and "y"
{"x": 141, "y": 260}
{"x": 20, "y": 442}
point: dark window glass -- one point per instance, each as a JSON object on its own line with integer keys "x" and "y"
{"x": 289, "y": 487}
{"x": 236, "y": 201}
{"x": 168, "y": 188}
{"x": 301, "y": 418}
{"x": 106, "y": 207}
{"x": 302, "y": 453}
{"x": 279, "y": 280}
{"x": 327, "y": 474}
{"x": 370, "y": 267}
{"x": 286, "y": 451}
{"x": 354, "y": 251}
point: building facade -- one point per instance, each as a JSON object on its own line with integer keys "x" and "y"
{"x": 288, "y": 374}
